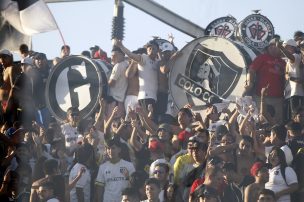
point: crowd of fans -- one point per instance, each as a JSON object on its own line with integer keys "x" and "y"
{"x": 133, "y": 148}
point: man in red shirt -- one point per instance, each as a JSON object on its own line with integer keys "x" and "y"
{"x": 268, "y": 69}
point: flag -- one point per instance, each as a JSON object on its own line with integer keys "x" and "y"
{"x": 10, "y": 38}
{"x": 28, "y": 16}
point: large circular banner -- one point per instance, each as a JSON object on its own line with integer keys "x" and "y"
{"x": 209, "y": 70}
{"x": 224, "y": 27}
{"x": 256, "y": 31}
{"x": 76, "y": 81}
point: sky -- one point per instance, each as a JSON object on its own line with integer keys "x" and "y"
{"x": 89, "y": 23}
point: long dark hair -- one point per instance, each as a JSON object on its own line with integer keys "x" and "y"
{"x": 282, "y": 160}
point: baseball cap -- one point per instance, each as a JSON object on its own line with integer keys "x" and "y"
{"x": 156, "y": 145}
{"x": 95, "y": 48}
{"x": 166, "y": 47}
{"x": 27, "y": 60}
{"x": 256, "y": 167}
{"x": 164, "y": 126}
{"x": 6, "y": 52}
{"x": 290, "y": 42}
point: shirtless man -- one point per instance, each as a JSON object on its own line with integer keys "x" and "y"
{"x": 9, "y": 75}
{"x": 260, "y": 173}
{"x": 245, "y": 158}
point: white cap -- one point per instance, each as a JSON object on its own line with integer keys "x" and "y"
{"x": 290, "y": 42}
{"x": 166, "y": 47}
{"x": 5, "y": 52}
{"x": 27, "y": 60}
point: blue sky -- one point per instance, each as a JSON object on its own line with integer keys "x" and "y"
{"x": 89, "y": 23}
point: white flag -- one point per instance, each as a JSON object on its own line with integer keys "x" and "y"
{"x": 28, "y": 16}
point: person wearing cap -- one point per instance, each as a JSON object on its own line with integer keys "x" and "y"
{"x": 294, "y": 91}
{"x": 148, "y": 67}
{"x": 165, "y": 134}
{"x": 268, "y": 69}
{"x": 117, "y": 83}
{"x": 167, "y": 54}
{"x": 28, "y": 90}
{"x": 260, "y": 172}
{"x": 98, "y": 53}
{"x": 113, "y": 175}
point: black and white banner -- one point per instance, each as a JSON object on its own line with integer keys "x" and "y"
{"x": 28, "y": 16}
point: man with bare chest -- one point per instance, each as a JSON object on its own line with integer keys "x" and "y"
{"x": 9, "y": 75}
{"x": 245, "y": 158}
{"x": 261, "y": 175}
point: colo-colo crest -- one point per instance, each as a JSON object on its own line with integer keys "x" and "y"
{"x": 209, "y": 70}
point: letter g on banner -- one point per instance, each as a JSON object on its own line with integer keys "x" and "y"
{"x": 76, "y": 81}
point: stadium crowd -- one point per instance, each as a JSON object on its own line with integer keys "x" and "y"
{"x": 135, "y": 147}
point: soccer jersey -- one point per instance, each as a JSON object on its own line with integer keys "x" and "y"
{"x": 70, "y": 135}
{"x": 112, "y": 177}
{"x": 277, "y": 183}
{"x": 84, "y": 182}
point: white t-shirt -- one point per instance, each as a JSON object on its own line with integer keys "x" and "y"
{"x": 112, "y": 177}
{"x": 84, "y": 182}
{"x": 285, "y": 149}
{"x": 295, "y": 71}
{"x": 277, "y": 183}
{"x": 70, "y": 135}
{"x": 118, "y": 91}
{"x": 148, "y": 80}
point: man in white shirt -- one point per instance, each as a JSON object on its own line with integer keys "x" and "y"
{"x": 148, "y": 67}
{"x": 69, "y": 130}
{"x": 118, "y": 82}
{"x": 80, "y": 177}
{"x": 113, "y": 175}
{"x": 294, "y": 91}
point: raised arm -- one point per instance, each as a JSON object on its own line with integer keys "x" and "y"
{"x": 131, "y": 55}
{"x": 132, "y": 69}
{"x": 290, "y": 56}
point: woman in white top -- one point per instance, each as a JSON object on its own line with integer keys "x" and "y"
{"x": 282, "y": 179}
